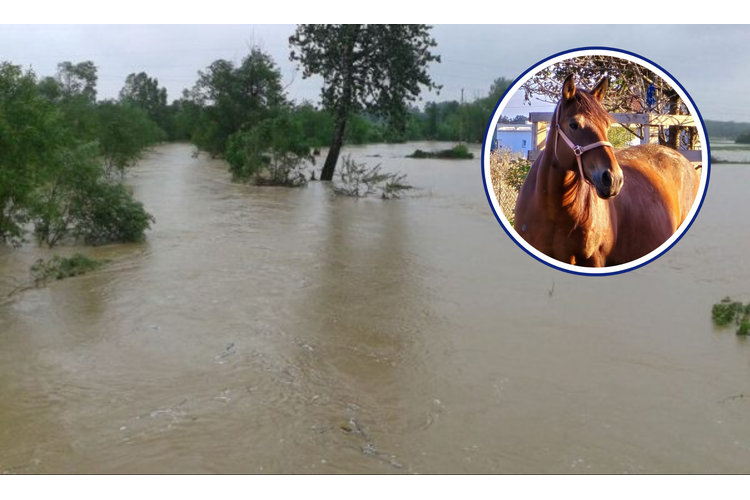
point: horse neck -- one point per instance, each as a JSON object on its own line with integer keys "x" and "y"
{"x": 563, "y": 192}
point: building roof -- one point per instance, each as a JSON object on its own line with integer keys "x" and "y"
{"x": 513, "y": 127}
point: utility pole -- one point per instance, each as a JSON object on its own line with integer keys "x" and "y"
{"x": 461, "y": 129}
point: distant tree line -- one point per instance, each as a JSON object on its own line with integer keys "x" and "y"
{"x": 736, "y": 131}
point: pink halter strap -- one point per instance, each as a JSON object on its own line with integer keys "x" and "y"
{"x": 577, "y": 150}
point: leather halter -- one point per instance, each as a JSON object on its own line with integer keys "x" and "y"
{"x": 577, "y": 150}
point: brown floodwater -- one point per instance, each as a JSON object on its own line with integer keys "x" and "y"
{"x": 272, "y": 330}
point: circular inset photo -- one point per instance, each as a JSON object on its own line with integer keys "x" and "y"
{"x": 605, "y": 167}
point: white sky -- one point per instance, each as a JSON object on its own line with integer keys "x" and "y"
{"x": 710, "y": 61}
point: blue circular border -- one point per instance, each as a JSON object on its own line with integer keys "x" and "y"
{"x": 707, "y": 145}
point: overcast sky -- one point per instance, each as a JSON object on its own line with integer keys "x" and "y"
{"x": 711, "y": 62}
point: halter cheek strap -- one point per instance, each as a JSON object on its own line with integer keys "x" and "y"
{"x": 577, "y": 150}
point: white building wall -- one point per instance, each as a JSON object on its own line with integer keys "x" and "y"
{"x": 515, "y": 140}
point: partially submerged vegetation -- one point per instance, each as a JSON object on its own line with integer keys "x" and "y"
{"x": 273, "y": 152}
{"x": 459, "y": 152}
{"x": 62, "y": 159}
{"x": 729, "y": 312}
{"x": 359, "y": 181}
{"x": 58, "y": 268}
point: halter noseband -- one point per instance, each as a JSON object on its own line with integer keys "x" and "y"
{"x": 577, "y": 150}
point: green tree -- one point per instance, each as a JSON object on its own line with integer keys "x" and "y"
{"x": 497, "y": 89}
{"x": 78, "y": 79}
{"x": 31, "y": 133}
{"x": 143, "y": 92}
{"x": 375, "y": 68}
{"x": 123, "y": 132}
{"x": 230, "y": 97}
{"x": 50, "y": 89}
{"x": 76, "y": 97}
{"x": 317, "y": 124}
{"x": 272, "y": 152}
{"x": 185, "y": 115}
{"x": 52, "y": 172}
{"x": 54, "y": 208}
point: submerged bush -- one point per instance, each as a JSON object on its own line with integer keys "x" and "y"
{"x": 359, "y": 180}
{"x": 273, "y": 152}
{"x": 729, "y": 312}
{"x": 62, "y": 267}
{"x": 81, "y": 202}
{"x": 58, "y": 149}
{"x": 459, "y": 152}
{"x": 112, "y": 215}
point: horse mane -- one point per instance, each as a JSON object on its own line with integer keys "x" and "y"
{"x": 588, "y": 105}
{"x": 578, "y": 200}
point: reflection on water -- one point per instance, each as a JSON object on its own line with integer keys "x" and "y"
{"x": 280, "y": 330}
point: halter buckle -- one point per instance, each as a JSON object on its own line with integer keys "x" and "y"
{"x": 578, "y": 151}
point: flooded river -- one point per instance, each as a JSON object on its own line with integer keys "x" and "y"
{"x": 270, "y": 330}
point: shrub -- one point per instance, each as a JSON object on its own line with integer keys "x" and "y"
{"x": 80, "y": 202}
{"x": 729, "y": 312}
{"x": 56, "y": 202}
{"x": 516, "y": 173}
{"x": 359, "y": 180}
{"x": 62, "y": 267}
{"x": 619, "y": 137}
{"x": 273, "y": 152}
{"x": 459, "y": 152}
{"x": 110, "y": 214}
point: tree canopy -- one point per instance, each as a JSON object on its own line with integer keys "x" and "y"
{"x": 379, "y": 69}
{"x": 230, "y": 97}
{"x": 56, "y": 144}
{"x": 143, "y": 92}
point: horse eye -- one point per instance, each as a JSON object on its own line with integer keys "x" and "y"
{"x": 574, "y": 126}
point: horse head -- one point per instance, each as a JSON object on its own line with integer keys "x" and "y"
{"x": 582, "y": 123}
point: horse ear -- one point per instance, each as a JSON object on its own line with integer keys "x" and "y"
{"x": 569, "y": 88}
{"x": 600, "y": 89}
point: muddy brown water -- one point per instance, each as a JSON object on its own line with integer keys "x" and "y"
{"x": 265, "y": 330}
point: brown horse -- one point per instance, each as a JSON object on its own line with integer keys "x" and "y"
{"x": 583, "y": 203}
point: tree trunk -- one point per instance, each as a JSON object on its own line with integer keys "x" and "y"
{"x": 675, "y": 132}
{"x": 344, "y": 105}
{"x": 333, "y": 153}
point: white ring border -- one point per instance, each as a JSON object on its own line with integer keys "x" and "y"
{"x": 596, "y": 270}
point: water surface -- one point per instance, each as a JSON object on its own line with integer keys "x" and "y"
{"x": 281, "y": 330}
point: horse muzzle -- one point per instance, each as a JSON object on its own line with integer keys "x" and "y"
{"x": 607, "y": 183}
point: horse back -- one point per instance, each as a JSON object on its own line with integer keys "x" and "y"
{"x": 660, "y": 186}
{"x": 669, "y": 173}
